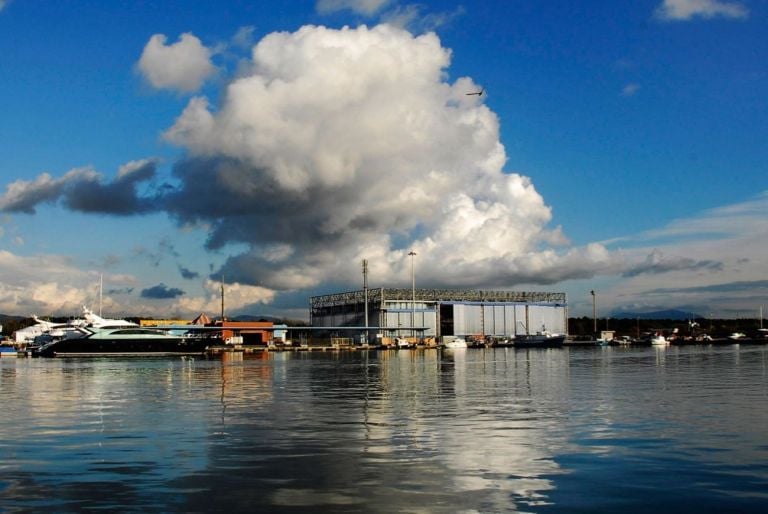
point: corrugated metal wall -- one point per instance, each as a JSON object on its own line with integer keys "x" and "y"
{"x": 468, "y": 319}
{"x": 507, "y": 319}
{"x": 423, "y": 318}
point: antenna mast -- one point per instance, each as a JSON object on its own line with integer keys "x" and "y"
{"x": 365, "y": 292}
{"x": 222, "y": 298}
{"x": 101, "y": 291}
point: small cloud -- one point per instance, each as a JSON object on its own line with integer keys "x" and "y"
{"x": 188, "y": 274}
{"x": 656, "y": 263}
{"x": 243, "y": 38}
{"x": 3, "y": 3}
{"x": 161, "y": 292}
{"x": 182, "y": 66}
{"x": 364, "y": 7}
{"x": 727, "y": 287}
{"x": 120, "y": 291}
{"x": 630, "y": 89}
{"x": 83, "y": 190}
{"x": 412, "y": 18}
{"x": 165, "y": 248}
{"x": 684, "y": 10}
{"x": 110, "y": 261}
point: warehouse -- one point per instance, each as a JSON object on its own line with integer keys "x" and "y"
{"x": 442, "y": 312}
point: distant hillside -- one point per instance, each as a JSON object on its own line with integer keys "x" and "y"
{"x": 666, "y": 314}
{"x": 4, "y": 318}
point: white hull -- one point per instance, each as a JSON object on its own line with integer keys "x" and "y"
{"x": 456, "y": 343}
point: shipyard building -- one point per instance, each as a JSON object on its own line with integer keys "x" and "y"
{"x": 442, "y": 312}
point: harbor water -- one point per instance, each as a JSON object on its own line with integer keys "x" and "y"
{"x": 603, "y": 429}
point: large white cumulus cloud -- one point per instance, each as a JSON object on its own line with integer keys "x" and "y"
{"x": 352, "y": 143}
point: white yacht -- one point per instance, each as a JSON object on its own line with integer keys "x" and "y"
{"x": 121, "y": 341}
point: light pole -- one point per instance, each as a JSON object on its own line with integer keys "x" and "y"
{"x": 594, "y": 312}
{"x": 365, "y": 295}
{"x": 413, "y": 294}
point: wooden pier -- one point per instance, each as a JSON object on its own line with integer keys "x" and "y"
{"x": 215, "y": 350}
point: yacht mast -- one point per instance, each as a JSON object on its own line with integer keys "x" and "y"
{"x": 101, "y": 291}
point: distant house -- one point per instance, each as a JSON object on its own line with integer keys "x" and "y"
{"x": 246, "y": 332}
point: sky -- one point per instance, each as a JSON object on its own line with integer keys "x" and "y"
{"x": 164, "y": 148}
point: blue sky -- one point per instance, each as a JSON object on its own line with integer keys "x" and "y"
{"x": 618, "y": 147}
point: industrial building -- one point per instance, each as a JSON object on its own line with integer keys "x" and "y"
{"x": 442, "y": 312}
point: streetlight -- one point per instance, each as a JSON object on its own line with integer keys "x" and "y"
{"x": 594, "y": 312}
{"x": 413, "y": 293}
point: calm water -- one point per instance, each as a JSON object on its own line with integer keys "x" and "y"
{"x": 681, "y": 429}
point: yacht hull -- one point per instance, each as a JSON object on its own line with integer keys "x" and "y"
{"x": 87, "y": 347}
{"x": 538, "y": 341}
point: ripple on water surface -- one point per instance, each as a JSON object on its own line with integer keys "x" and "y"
{"x": 495, "y": 430}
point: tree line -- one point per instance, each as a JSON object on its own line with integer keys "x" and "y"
{"x": 634, "y": 327}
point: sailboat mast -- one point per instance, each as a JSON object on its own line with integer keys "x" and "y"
{"x": 101, "y": 291}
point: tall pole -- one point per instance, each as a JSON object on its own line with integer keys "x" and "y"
{"x": 222, "y": 299}
{"x": 365, "y": 295}
{"x": 101, "y": 292}
{"x": 413, "y": 293}
{"x": 594, "y": 312}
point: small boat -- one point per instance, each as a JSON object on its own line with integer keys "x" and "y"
{"x": 120, "y": 341}
{"x": 658, "y": 339}
{"x": 539, "y": 340}
{"x": 737, "y": 335}
{"x": 456, "y": 343}
{"x": 402, "y": 343}
{"x": 8, "y": 350}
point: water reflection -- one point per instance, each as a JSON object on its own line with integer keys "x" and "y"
{"x": 474, "y": 430}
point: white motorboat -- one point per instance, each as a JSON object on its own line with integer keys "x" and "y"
{"x": 658, "y": 339}
{"x": 402, "y": 343}
{"x": 456, "y": 343}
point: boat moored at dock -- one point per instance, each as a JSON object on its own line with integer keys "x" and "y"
{"x": 539, "y": 340}
{"x": 121, "y": 341}
{"x": 456, "y": 342}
